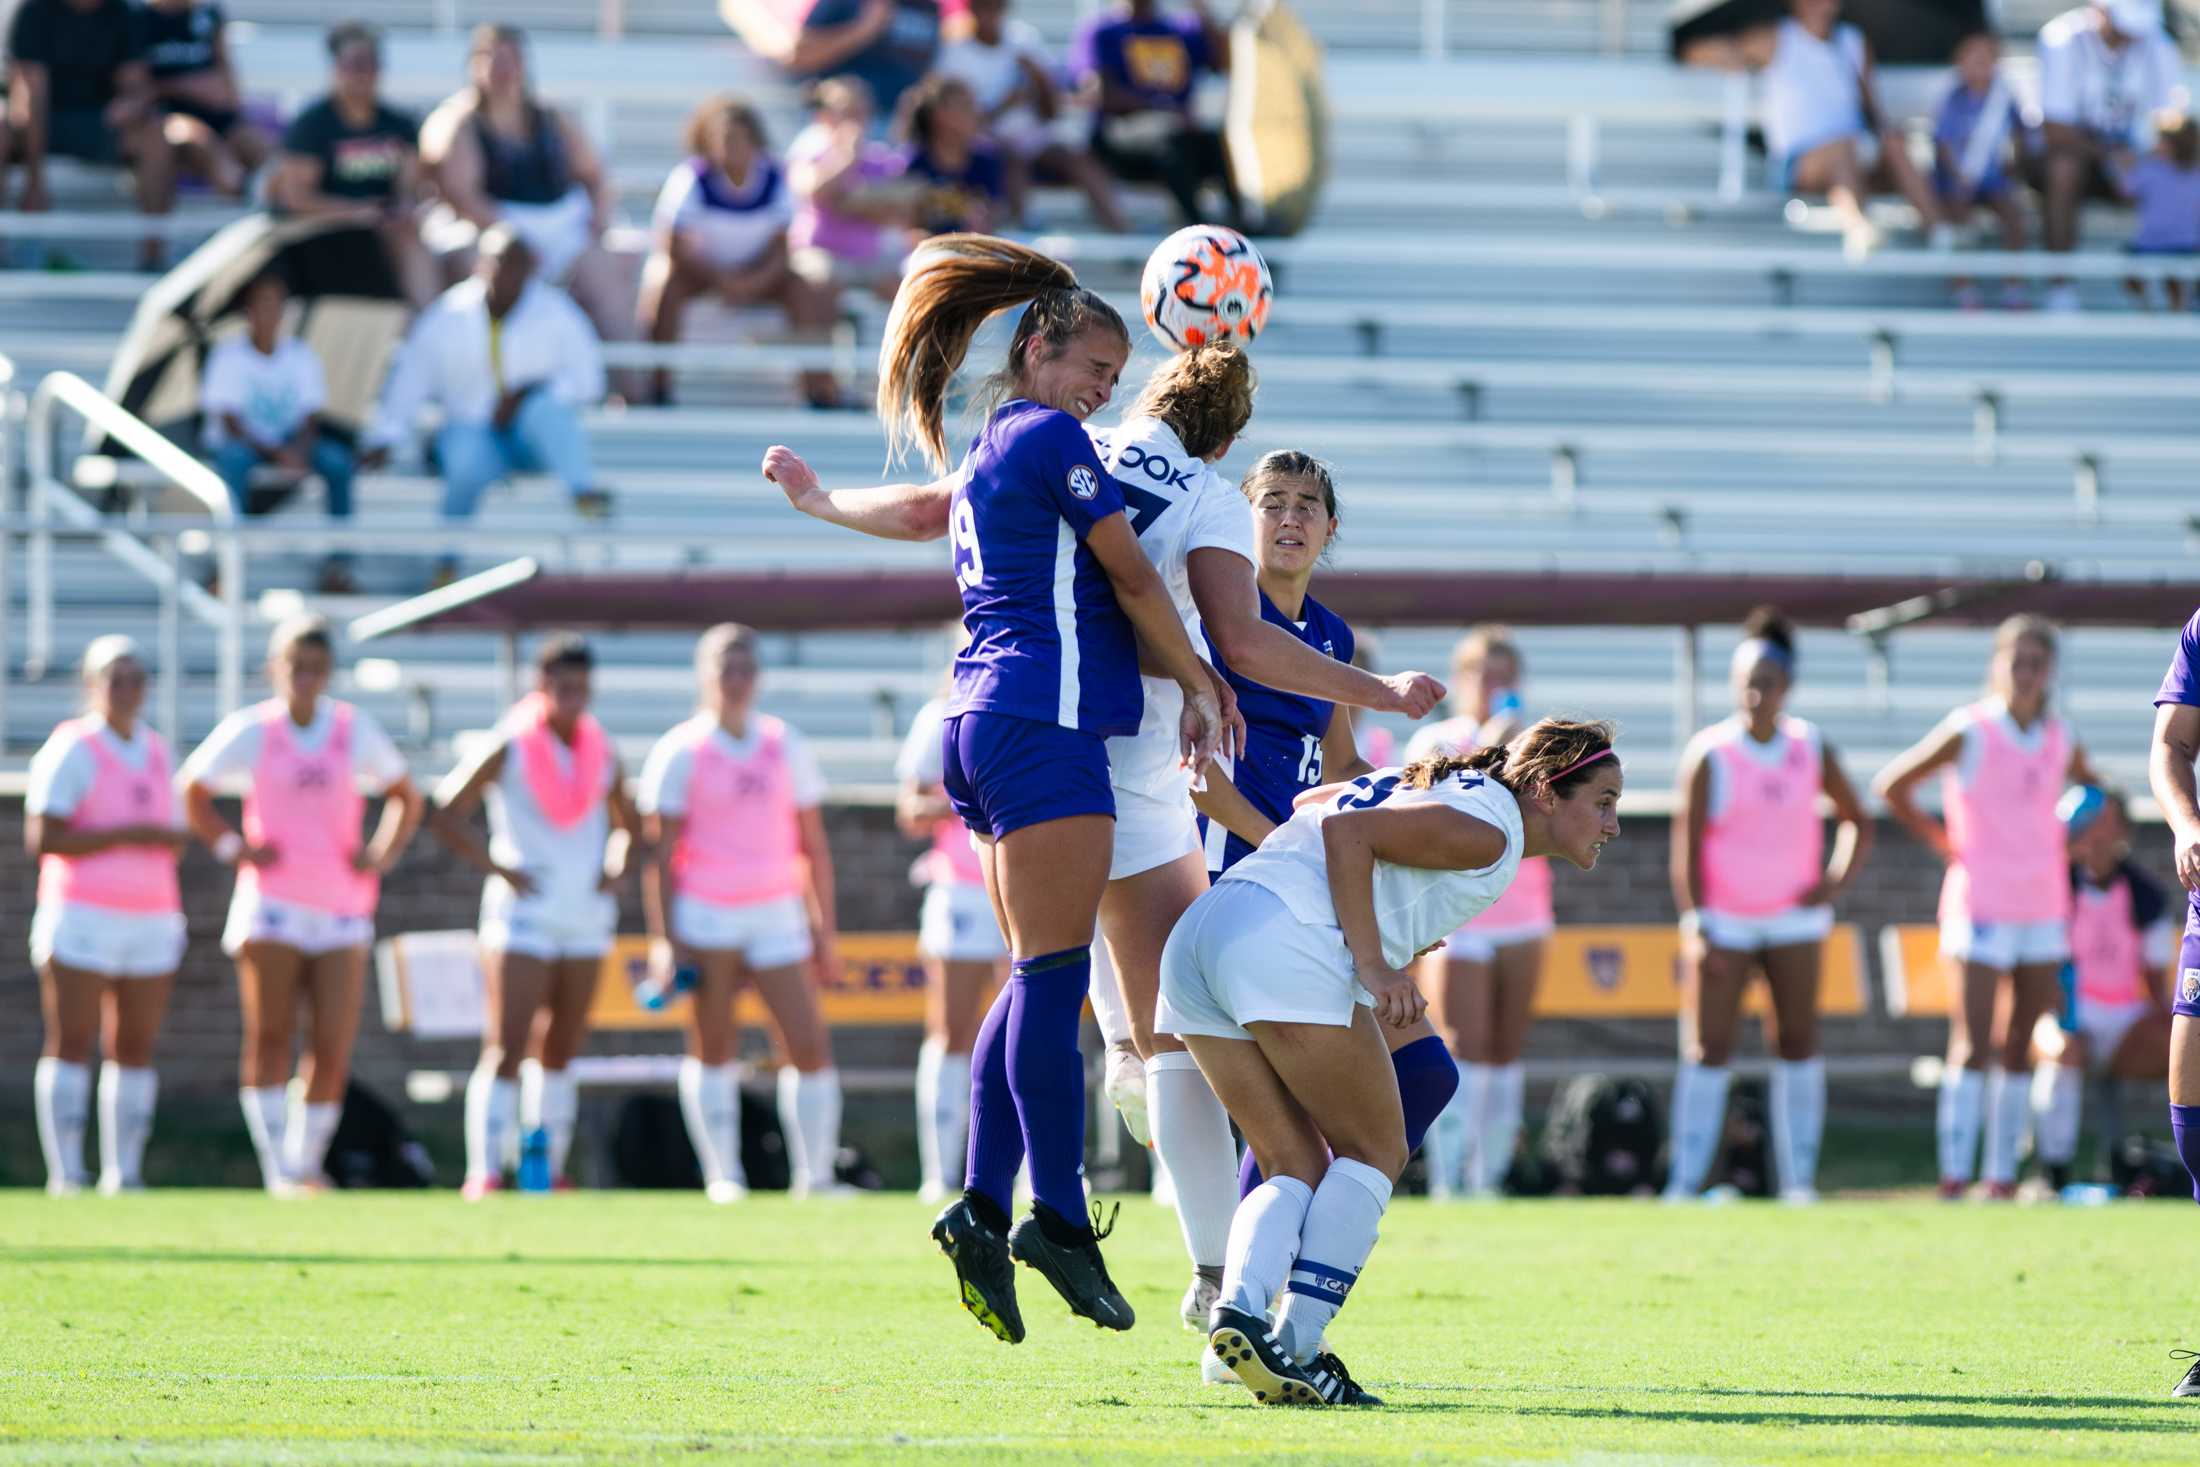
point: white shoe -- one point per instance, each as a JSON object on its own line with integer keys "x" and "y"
{"x": 2061, "y": 298}
{"x": 932, "y": 1192}
{"x": 724, "y": 1191}
{"x": 1199, "y": 1301}
{"x": 63, "y": 1187}
{"x": 112, "y": 1185}
{"x": 1125, "y": 1086}
{"x": 1722, "y": 1195}
{"x": 1213, "y": 1372}
{"x": 1799, "y": 1196}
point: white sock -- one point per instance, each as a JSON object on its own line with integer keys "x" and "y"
{"x": 1502, "y": 1103}
{"x": 263, "y": 1122}
{"x": 2008, "y": 1111}
{"x": 1699, "y": 1123}
{"x": 306, "y": 1136}
{"x": 943, "y": 1115}
{"x": 1798, "y": 1120}
{"x": 1957, "y": 1123}
{"x": 809, "y": 1116}
{"x": 2058, "y": 1104}
{"x": 61, "y": 1093}
{"x": 125, "y": 1121}
{"x": 1108, "y": 1009}
{"x": 1339, "y": 1233}
{"x": 710, "y": 1102}
{"x": 549, "y": 1099}
{"x": 491, "y": 1104}
{"x": 1264, "y": 1241}
{"x": 1191, "y": 1134}
{"x": 1449, "y": 1145}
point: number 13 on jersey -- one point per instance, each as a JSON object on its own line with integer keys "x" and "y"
{"x": 962, "y": 535}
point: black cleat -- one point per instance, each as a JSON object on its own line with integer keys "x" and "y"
{"x": 1336, "y": 1384}
{"x": 982, "y": 1269}
{"x": 1249, "y": 1348}
{"x": 1077, "y": 1271}
{"x": 2190, "y": 1385}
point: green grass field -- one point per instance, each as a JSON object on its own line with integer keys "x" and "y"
{"x": 226, "y": 1327}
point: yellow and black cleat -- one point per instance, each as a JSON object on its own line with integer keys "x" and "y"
{"x": 985, "y": 1275}
{"x": 1249, "y": 1348}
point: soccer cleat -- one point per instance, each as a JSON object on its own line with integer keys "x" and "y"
{"x": 1336, "y": 1384}
{"x": 112, "y": 1185}
{"x": 1249, "y": 1349}
{"x": 2190, "y": 1385}
{"x": 725, "y": 1190}
{"x": 63, "y": 1187}
{"x": 1077, "y": 1271}
{"x": 1125, "y": 1087}
{"x": 2001, "y": 1191}
{"x": 1799, "y": 1196}
{"x": 983, "y": 1270}
{"x": 1199, "y": 1302}
{"x": 1953, "y": 1188}
{"x": 478, "y": 1187}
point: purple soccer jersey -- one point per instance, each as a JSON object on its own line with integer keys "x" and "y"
{"x": 1047, "y": 640}
{"x": 2181, "y": 685}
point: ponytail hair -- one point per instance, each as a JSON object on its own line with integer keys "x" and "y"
{"x": 954, "y": 284}
{"x": 1205, "y": 395}
{"x": 1553, "y": 755}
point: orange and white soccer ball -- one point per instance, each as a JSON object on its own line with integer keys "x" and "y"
{"x": 1205, "y": 283}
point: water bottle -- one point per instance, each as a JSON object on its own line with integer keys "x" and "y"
{"x": 534, "y": 1161}
{"x": 652, "y": 995}
{"x": 2087, "y": 1194}
{"x": 1506, "y": 704}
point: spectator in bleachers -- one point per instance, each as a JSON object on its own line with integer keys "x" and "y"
{"x": 1824, "y": 128}
{"x": 946, "y": 152}
{"x": 78, "y": 88}
{"x": 886, "y": 44}
{"x": 260, "y": 397}
{"x": 1010, "y": 72}
{"x": 2165, "y": 188}
{"x": 1142, "y": 67}
{"x": 350, "y": 155}
{"x": 494, "y": 152}
{"x": 2105, "y": 69}
{"x": 720, "y": 230}
{"x": 853, "y": 208}
{"x": 186, "y": 47}
{"x": 1977, "y": 129}
{"x": 510, "y": 361}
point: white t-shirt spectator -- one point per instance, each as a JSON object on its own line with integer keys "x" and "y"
{"x": 2111, "y": 94}
{"x": 270, "y": 395}
{"x": 63, "y": 770}
{"x": 446, "y": 359}
{"x": 665, "y": 773}
{"x": 224, "y": 763}
{"x": 993, "y": 73}
{"x": 730, "y": 227}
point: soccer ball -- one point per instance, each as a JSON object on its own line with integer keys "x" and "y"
{"x": 1205, "y": 283}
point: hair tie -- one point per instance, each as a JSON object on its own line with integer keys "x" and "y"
{"x": 1584, "y": 762}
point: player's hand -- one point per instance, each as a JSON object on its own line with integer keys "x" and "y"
{"x": 1413, "y": 694}
{"x": 1398, "y": 999}
{"x": 2188, "y": 859}
{"x": 824, "y": 957}
{"x": 1822, "y": 892}
{"x": 663, "y": 962}
{"x": 251, "y": 855}
{"x": 521, "y": 883}
{"x": 364, "y": 860}
{"x": 1233, "y": 721}
{"x": 1200, "y": 731}
{"x": 784, "y": 467}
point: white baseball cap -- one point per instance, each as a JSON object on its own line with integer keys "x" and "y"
{"x": 2133, "y": 17}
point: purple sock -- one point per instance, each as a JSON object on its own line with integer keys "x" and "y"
{"x": 2184, "y": 1123}
{"x": 1427, "y": 1078}
{"x": 1047, "y": 1075}
{"x": 996, "y": 1146}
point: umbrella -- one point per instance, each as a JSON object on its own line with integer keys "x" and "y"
{"x": 345, "y": 304}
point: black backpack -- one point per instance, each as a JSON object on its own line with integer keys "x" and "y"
{"x": 371, "y": 1147}
{"x": 650, "y": 1147}
{"x": 1604, "y": 1137}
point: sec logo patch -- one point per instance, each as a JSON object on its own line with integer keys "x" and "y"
{"x": 2188, "y": 985}
{"x": 1083, "y": 482}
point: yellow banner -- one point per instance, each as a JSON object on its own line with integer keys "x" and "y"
{"x": 880, "y": 982}
{"x": 1635, "y": 972}
{"x": 1917, "y": 980}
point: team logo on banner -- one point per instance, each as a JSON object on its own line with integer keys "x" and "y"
{"x": 1607, "y": 966}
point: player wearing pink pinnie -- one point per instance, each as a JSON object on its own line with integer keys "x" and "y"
{"x": 1755, "y": 889}
{"x": 2005, "y": 903}
{"x": 101, "y": 820}
{"x": 1482, "y": 981}
{"x": 303, "y": 913}
{"x": 740, "y": 885}
{"x": 959, "y": 940}
{"x": 560, "y": 828}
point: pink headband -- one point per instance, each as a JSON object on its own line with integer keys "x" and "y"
{"x": 1584, "y": 762}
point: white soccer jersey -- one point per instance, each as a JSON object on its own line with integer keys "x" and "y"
{"x": 1177, "y": 504}
{"x": 1414, "y": 906}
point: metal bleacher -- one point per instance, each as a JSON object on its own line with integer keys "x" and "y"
{"x": 1520, "y": 349}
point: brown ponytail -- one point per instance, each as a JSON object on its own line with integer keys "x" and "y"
{"x": 1205, "y": 395}
{"x": 956, "y": 282}
{"x": 1553, "y": 754}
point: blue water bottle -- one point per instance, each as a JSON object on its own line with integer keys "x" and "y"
{"x": 1506, "y": 704}
{"x": 534, "y": 1161}
{"x": 652, "y": 995}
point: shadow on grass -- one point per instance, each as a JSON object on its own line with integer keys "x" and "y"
{"x": 1983, "y": 1400}
{"x": 406, "y": 1260}
{"x": 1900, "y": 1420}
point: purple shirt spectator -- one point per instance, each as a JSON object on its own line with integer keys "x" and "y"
{"x": 844, "y": 236}
{"x": 1157, "y": 60}
{"x": 1962, "y": 112}
{"x": 2168, "y": 200}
